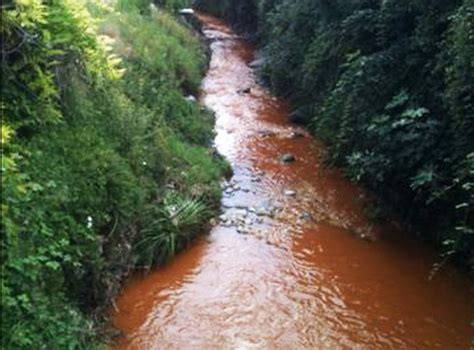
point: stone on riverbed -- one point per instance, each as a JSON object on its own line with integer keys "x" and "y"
{"x": 287, "y": 158}
{"x": 265, "y": 209}
{"x": 266, "y": 133}
{"x": 264, "y": 212}
{"x": 241, "y": 212}
{"x": 306, "y": 216}
{"x": 290, "y": 193}
{"x": 241, "y": 230}
{"x": 257, "y": 63}
{"x": 296, "y": 134}
{"x": 245, "y": 91}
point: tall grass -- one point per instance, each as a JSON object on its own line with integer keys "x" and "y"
{"x": 171, "y": 225}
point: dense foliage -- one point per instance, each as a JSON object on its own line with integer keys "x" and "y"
{"x": 100, "y": 152}
{"x": 241, "y": 14}
{"x": 387, "y": 85}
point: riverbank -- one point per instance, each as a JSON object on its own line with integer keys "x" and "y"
{"x": 106, "y": 163}
{"x": 285, "y": 266}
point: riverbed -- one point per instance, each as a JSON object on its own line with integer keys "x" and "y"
{"x": 295, "y": 260}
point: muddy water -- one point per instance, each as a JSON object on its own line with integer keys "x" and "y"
{"x": 286, "y": 268}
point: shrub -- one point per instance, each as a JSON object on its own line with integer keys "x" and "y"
{"x": 170, "y": 226}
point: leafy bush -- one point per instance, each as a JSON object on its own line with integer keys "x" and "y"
{"x": 242, "y": 14}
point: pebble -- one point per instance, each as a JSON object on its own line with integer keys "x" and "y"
{"x": 296, "y": 134}
{"x": 241, "y": 212}
{"x": 287, "y": 158}
{"x": 264, "y": 212}
{"x": 305, "y": 216}
{"x": 290, "y": 193}
{"x": 242, "y": 231}
{"x": 266, "y": 133}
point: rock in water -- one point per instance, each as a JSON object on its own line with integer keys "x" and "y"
{"x": 287, "y": 158}
{"x": 306, "y": 216}
{"x": 296, "y": 134}
{"x": 266, "y": 133}
{"x": 244, "y": 91}
{"x": 257, "y": 63}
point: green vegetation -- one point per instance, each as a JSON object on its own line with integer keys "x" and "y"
{"x": 171, "y": 225}
{"x": 241, "y": 14}
{"x": 100, "y": 153}
{"x": 387, "y": 85}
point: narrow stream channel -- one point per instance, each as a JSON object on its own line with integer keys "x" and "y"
{"x": 286, "y": 268}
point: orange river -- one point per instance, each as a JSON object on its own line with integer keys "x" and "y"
{"x": 294, "y": 261}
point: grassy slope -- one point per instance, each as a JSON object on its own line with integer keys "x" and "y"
{"x": 101, "y": 153}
